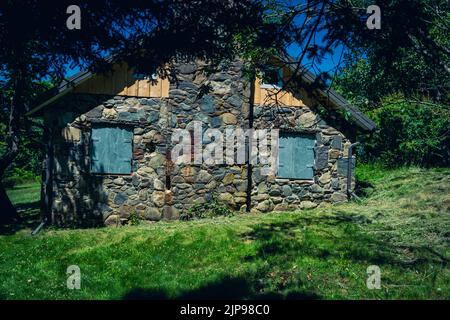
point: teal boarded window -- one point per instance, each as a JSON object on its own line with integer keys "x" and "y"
{"x": 296, "y": 156}
{"x": 111, "y": 149}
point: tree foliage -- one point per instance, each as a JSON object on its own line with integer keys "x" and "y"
{"x": 409, "y": 54}
{"x": 399, "y": 76}
{"x": 410, "y": 132}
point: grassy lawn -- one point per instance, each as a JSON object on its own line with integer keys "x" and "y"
{"x": 401, "y": 225}
{"x": 26, "y": 198}
{"x": 25, "y": 194}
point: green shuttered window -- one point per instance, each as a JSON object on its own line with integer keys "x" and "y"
{"x": 111, "y": 149}
{"x": 296, "y": 156}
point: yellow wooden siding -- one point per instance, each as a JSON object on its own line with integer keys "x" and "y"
{"x": 121, "y": 82}
{"x": 270, "y": 96}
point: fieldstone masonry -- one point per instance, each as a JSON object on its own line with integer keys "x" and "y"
{"x": 329, "y": 183}
{"x": 157, "y": 188}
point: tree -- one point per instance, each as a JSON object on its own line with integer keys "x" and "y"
{"x": 413, "y": 41}
{"x": 27, "y": 165}
{"x": 403, "y": 83}
{"x": 409, "y": 54}
{"x": 37, "y": 45}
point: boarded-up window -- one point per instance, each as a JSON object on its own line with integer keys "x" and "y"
{"x": 296, "y": 156}
{"x": 111, "y": 149}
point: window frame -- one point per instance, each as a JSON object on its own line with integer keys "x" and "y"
{"x": 142, "y": 76}
{"x": 278, "y": 85}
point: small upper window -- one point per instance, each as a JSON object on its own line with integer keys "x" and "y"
{"x": 142, "y": 76}
{"x": 272, "y": 77}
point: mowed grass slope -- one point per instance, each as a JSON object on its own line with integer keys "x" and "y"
{"x": 401, "y": 225}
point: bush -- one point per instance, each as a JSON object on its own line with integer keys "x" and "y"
{"x": 15, "y": 176}
{"x": 408, "y": 133}
{"x": 27, "y": 165}
{"x": 206, "y": 210}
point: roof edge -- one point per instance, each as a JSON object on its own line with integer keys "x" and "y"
{"x": 65, "y": 87}
{"x": 359, "y": 117}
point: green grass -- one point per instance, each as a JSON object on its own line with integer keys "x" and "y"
{"x": 25, "y": 193}
{"x": 26, "y": 198}
{"x": 402, "y": 225}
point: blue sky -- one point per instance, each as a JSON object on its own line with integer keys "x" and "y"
{"x": 329, "y": 63}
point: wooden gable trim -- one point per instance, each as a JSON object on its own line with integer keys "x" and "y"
{"x": 120, "y": 82}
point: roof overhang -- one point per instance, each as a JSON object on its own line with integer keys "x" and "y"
{"x": 335, "y": 98}
{"x": 64, "y": 88}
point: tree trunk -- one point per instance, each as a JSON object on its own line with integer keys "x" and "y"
{"x": 47, "y": 177}
{"x": 8, "y": 212}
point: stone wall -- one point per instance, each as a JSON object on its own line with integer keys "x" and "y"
{"x": 158, "y": 189}
{"x": 81, "y": 196}
{"x": 224, "y": 104}
{"x": 329, "y": 182}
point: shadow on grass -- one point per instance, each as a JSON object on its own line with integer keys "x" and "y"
{"x": 226, "y": 288}
{"x": 30, "y": 217}
{"x": 287, "y": 251}
{"x": 317, "y": 245}
{"x": 342, "y": 236}
{"x": 278, "y": 246}
{"x": 326, "y": 237}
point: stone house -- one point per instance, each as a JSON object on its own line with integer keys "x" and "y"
{"x": 108, "y": 142}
